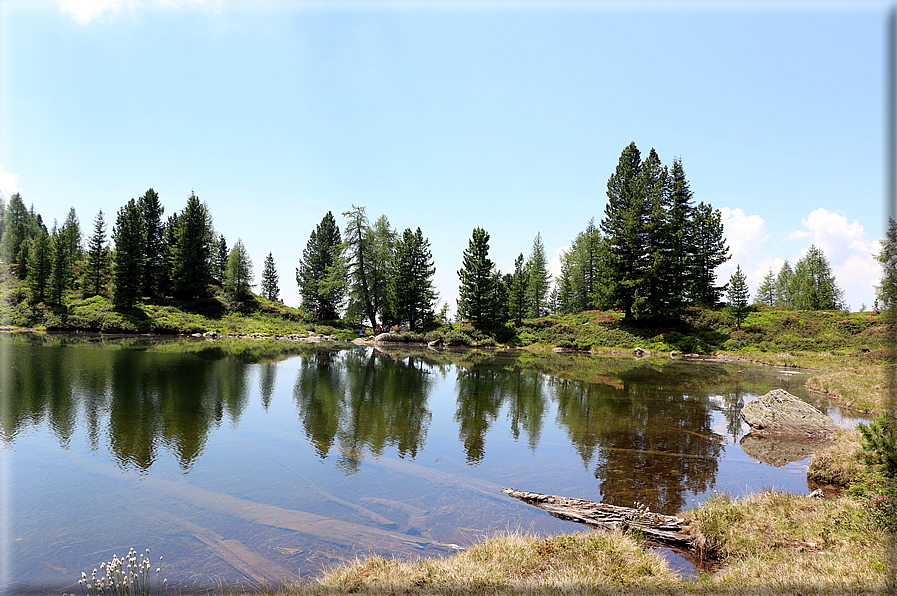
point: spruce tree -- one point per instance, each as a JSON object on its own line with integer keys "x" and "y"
{"x": 320, "y": 275}
{"x": 151, "y": 211}
{"x": 653, "y": 296}
{"x": 72, "y": 228}
{"x": 270, "y": 289}
{"x": 18, "y": 228}
{"x": 624, "y": 227}
{"x": 96, "y": 270}
{"x": 710, "y": 251}
{"x": 886, "y": 290}
{"x": 738, "y": 296}
{"x": 238, "y": 275}
{"x": 538, "y": 279}
{"x": 39, "y": 268}
{"x": 411, "y": 283}
{"x": 60, "y": 266}
{"x": 680, "y": 251}
{"x": 477, "y": 291}
{"x": 128, "y": 262}
{"x": 192, "y": 251}
{"x": 220, "y": 252}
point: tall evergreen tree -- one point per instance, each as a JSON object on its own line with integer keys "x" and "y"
{"x": 814, "y": 283}
{"x": 477, "y": 292}
{"x": 359, "y": 259}
{"x": 710, "y": 251}
{"x": 192, "y": 252}
{"x": 60, "y": 266}
{"x": 382, "y": 241}
{"x": 128, "y": 262}
{"x": 39, "y": 268}
{"x": 72, "y": 229}
{"x": 538, "y": 279}
{"x": 653, "y": 297}
{"x": 151, "y": 211}
{"x": 624, "y": 227}
{"x": 738, "y": 296}
{"x": 318, "y": 272}
{"x": 270, "y": 289}
{"x": 96, "y": 270}
{"x": 766, "y": 293}
{"x": 238, "y": 273}
{"x": 886, "y": 290}
{"x": 19, "y": 229}
{"x": 411, "y": 284}
{"x": 220, "y": 261}
{"x": 680, "y": 253}
{"x": 517, "y": 286}
{"x": 785, "y": 287}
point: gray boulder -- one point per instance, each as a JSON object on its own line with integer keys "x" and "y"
{"x": 779, "y": 413}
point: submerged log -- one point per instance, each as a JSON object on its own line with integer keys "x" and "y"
{"x": 667, "y": 530}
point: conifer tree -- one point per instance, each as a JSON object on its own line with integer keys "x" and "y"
{"x": 653, "y": 296}
{"x": 624, "y": 227}
{"x": 538, "y": 279}
{"x": 39, "y": 267}
{"x": 96, "y": 270}
{"x": 151, "y": 211}
{"x": 680, "y": 251}
{"x": 72, "y": 229}
{"x": 221, "y": 253}
{"x": 270, "y": 289}
{"x": 19, "y": 229}
{"x": 320, "y": 274}
{"x": 517, "y": 286}
{"x": 357, "y": 250}
{"x": 814, "y": 283}
{"x": 60, "y": 266}
{"x": 128, "y": 262}
{"x": 477, "y": 292}
{"x": 381, "y": 241}
{"x": 766, "y": 293}
{"x": 784, "y": 286}
{"x": 710, "y": 251}
{"x": 238, "y": 275}
{"x": 886, "y": 290}
{"x": 738, "y": 296}
{"x": 191, "y": 253}
{"x": 411, "y": 284}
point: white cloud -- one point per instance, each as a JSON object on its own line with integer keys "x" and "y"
{"x": 554, "y": 263}
{"x": 9, "y": 183}
{"x": 85, "y": 11}
{"x": 744, "y": 234}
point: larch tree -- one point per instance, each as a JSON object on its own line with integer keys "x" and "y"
{"x": 270, "y": 289}
{"x": 238, "y": 275}
{"x": 886, "y": 290}
{"x": 517, "y": 285}
{"x": 128, "y": 262}
{"x": 766, "y": 293}
{"x": 814, "y": 283}
{"x": 738, "y": 296}
{"x": 784, "y": 286}
{"x": 358, "y": 256}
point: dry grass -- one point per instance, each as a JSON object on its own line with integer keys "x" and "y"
{"x": 841, "y": 464}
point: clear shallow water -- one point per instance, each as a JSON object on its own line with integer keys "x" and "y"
{"x": 234, "y": 466}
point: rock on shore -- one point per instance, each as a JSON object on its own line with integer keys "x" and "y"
{"x": 778, "y": 413}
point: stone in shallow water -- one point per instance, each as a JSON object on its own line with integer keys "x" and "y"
{"x": 780, "y": 413}
{"x": 777, "y": 451}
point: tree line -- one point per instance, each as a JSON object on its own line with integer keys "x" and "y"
{"x": 653, "y": 254}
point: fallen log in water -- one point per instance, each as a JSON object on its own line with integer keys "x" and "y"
{"x": 667, "y": 530}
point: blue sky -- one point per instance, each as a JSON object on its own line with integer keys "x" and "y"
{"x": 508, "y": 116}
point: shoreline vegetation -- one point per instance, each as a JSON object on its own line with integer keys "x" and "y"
{"x": 764, "y": 543}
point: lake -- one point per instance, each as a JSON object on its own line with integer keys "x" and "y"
{"x": 238, "y": 464}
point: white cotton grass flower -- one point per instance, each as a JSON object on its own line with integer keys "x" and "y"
{"x": 129, "y": 576}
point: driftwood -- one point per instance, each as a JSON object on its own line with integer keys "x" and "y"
{"x": 667, "y": 530}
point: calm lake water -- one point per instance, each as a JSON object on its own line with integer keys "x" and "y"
{"x": 235, "y": 467}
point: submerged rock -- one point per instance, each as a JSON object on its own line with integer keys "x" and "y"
{"x": 781, "y": 414}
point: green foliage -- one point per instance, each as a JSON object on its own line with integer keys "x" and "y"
{"x": 878, "y": 495}
{"x": 880, "y": 444}
{"x": 39, "y": 268}
{"x": 238, "y": 273}
{"x": 321, "y": 274}
{"x": 411, "y": 283}
{"x": 151, "y": 211}
{"x": 738, "y": 296}
{"x": 128, "y": 261}
{"x": 538, "y": 279}
{"x": 886, "y": 291}
{"x": 813, "y": 285}
{"x": 270, "y": 290}
{"x": 191, "y": 250}
{"x": 477, "y": 299}
{"x": 766, "y": 293}
{"x": 710, "y": 251}
{"x": 96, "y": 270}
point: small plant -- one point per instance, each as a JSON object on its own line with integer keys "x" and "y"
{"x": 131, "y": 576}
{"x": 880, "y": 444}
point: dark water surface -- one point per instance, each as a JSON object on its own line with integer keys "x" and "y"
{"x": 233, "y": 464}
